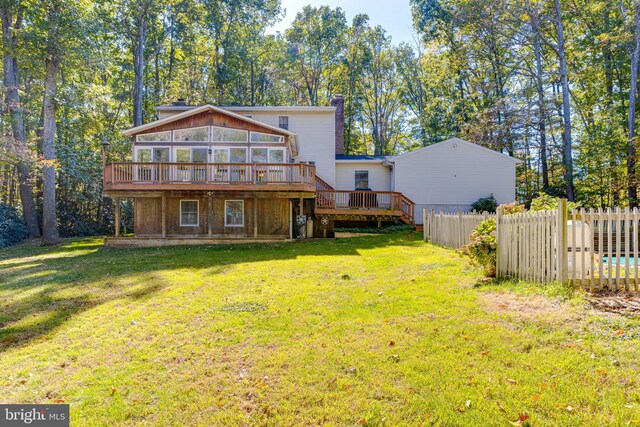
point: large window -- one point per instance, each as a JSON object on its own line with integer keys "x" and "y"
{"x": 276, "y": 155}
{"x": 234, "y": 213}
{"x": 265, "y": 137}
{"x": 183, "y": 155}
{"x": 200, "y": 134}
{"x": 219, "y": 134}
{"x": 220, "y": 155}
{"x": 143, "y": 155}
{"x": 259, "y": 155}
{"x": 191, "y": 155}
{"x": 189, "y": 213}
{"x": 238, "y": 155}
{"x": 154, "y": 137}
{"x": 161, "y": 155}
{"x": 267, "y": 155}
{"x": 362, "y": 180}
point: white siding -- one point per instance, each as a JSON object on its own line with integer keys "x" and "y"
{"x": 315, "y": 132}
{"x": 451, "y": 175}
{"x": 379, "y": 175}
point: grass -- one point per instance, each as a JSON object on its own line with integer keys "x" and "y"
{"x": 381, "y": 330}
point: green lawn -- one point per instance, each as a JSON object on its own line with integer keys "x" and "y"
{"x": 381, "y": 330}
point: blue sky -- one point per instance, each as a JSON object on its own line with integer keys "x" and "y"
{"x": 393, "y": 15}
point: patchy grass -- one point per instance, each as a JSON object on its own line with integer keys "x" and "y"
{"x": 383, "y": 330}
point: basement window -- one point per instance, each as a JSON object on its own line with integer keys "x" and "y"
{"x": 189, "y": 213}
{"x": 234, "y": 213}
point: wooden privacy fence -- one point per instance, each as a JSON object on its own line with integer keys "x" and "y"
{"x": 595, "y": 249}
{"x": 451, "y": 229}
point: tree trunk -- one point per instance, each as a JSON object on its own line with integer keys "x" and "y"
{"x": 566, "y": 106}
{"x": 541, "y": 114}
{"x": 50, "y": 235}
{"x": 12, "y": 101}
{"x": 138, "y": 70}
{"x": 632, "y": 190}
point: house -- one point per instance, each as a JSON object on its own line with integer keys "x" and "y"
{"x": 204, "y": 173}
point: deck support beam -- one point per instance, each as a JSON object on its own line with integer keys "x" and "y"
{"x": 255, "y": 217}
{"x": 116, "y": 201}
{"x": 301, "y": 213}
{"x": 291, "y": 219}
{"x": 164, "y": 216}
{"x": 210, "y": 215}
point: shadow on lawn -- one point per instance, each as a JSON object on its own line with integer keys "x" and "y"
{"x": 40, "y": 293}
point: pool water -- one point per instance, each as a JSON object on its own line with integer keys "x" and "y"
{"x": 621, "y": 260}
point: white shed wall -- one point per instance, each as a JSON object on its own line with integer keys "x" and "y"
{"x": 451, "y": 175}
{"x": 379, "y": 175}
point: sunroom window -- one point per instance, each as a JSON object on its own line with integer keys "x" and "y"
{"x": 200, "y": 134}
{"x": 265, "y": 137}
{"x": 276, "y": 156}
{"x": 154, "y": 137}
{"x": 219, "y": 134}
{"x": 238, "y": 155}
{"x": 259, "y": 155}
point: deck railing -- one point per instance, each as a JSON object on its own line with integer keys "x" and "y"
{"x": 366, "y": 201}
{"x": 210, "y": 173}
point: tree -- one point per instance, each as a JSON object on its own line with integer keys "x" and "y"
{"x": 380, "y": 85}
{"x": 316, "y": 46}
{"x": 12, "y": 101}
{"x": 632, "y": 191}
{"x": 566, "y": 102}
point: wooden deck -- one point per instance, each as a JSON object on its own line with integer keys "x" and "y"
{"x": 364, "y": 205}
{"x": 209, "y": 176}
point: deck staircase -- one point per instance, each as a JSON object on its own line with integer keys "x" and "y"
{"x": 362, "y": 205}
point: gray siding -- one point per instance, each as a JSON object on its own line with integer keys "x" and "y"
{"x": 453, "y": 174}
{"x": 379, "y": 176}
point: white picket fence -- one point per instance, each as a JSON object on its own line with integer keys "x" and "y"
{"x": 594, "y": 249}
{"x": 528, "y": 246}
{"x": 451, "y": 229}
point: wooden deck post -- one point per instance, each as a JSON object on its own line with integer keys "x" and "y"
{"x": 499, "y": 249}
{"x": 301, "y": 213}
{"x": 425, "y": 225}
{"x": 562, "y": 274}
{"x": 460, "y": 236}
{"x": 255, "y": 217}
{"x": 164, "y": 216}
{"x": 116, "y": 201}
{"x": 290, "y": 219}
{"x": 210, "y": 215}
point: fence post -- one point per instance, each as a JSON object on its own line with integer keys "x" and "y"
{"x": 460, "y": 242}
{"x": 498, "y": 242}
{"x": 425, "y": 225}
{"x": 561, "y": 243}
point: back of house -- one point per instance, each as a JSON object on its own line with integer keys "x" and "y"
{"x": 204, "y": 173}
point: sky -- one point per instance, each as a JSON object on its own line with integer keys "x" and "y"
{"x": 392, "y": 15}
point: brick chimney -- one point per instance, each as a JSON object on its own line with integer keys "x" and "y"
{"x": 338, "y": 102}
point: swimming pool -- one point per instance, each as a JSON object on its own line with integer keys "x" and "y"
{"x": 623, "y": 260}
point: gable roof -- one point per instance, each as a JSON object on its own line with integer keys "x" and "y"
{"x": 192, "y": 111}
{"x": 462, "y": 142}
